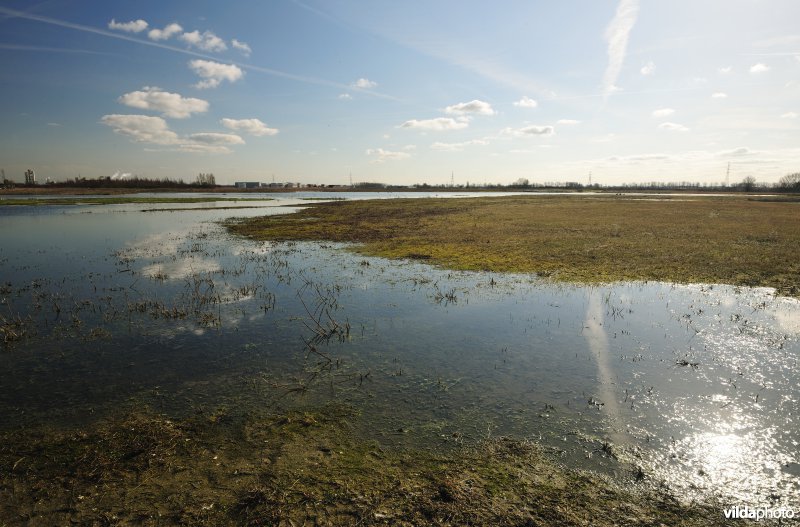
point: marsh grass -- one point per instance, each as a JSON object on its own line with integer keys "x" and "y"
{"x": 302, "y": 467}
{"x": 729, "y": 240}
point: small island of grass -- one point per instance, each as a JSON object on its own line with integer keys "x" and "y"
{"x": 732, "y": 240}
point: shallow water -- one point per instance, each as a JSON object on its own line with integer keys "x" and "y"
{"x": 695, "y": 385}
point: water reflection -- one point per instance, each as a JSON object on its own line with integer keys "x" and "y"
{"x": 695, "y": 385}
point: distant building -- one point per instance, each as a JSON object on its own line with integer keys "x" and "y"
{"x": 30, "y": 177}
{"x": 247, "y": 184}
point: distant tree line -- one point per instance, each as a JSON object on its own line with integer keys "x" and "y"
{"x": 788, "y": 183}
{"x": 128, "y": 182}
{"x": 206, "y": 180}
{"x": 133, "y": 182}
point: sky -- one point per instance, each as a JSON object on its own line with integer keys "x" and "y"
{"x": 619, "y": 91}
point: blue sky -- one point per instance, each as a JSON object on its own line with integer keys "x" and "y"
{"x": 402, "y": 92}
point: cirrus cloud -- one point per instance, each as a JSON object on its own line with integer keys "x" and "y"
{"x": 616, "y": 36}
{"x": 249, "y": 126}
{"x": 169, "y": 104}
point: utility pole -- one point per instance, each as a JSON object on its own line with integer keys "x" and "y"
{"x": 452, "y": 179}
{"x": 351, "y": 180}
{"x": 728, "y": 175}
{"x": 590, "y": 178}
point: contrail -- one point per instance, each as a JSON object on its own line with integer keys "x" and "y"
{"x": 118, "y": 36}
{"x": 19, "y": 47}
{"x": 616, "y": 35}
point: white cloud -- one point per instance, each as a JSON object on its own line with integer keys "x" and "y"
{"x": 213, "y": 73}
{"x": 241, "y": 46}
{"x": 476, "y": 106}
{"x": 526, "y": 102}
{"x": 382, "y": 155}
{"x": 364, "y": 84}
{"x": 719, "y": 95}
{"x": 169, "y": 104}
{"x": 458, "y": 147}
{"x": 249, "y": 126}
{"x": 759, "y": 68}
{"x": 154, "y": 130}
{"x": 142, "y": 128}
{"x": 214, "y": 138}
{"x": 673, "y": 127}
{"x": 648, "y": 69}
{"x": 166, "y": 33}
{"x": 345, "y": 96}
{"x": 616, "y": 35}
{"x": 134, "y": 26}
{"x": 529, "y": 131}
{"x": 724, "y": 70}
{"x": 738, "y": 152}
{"x": 438, "y": 124}
{"x": 207, "y": 41}
{"x": 789, "y": 115}
{"x": 568, "y": 122}
{"x": 663, "y": 112}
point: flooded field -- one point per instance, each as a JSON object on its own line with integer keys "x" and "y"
{"x": 107, "y": 308}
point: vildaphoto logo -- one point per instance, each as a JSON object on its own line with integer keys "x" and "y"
{"x": 758, "y": 513}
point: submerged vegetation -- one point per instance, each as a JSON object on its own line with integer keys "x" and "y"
{"x": 298, "y": 468}
{"x": 731, "y": 240}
